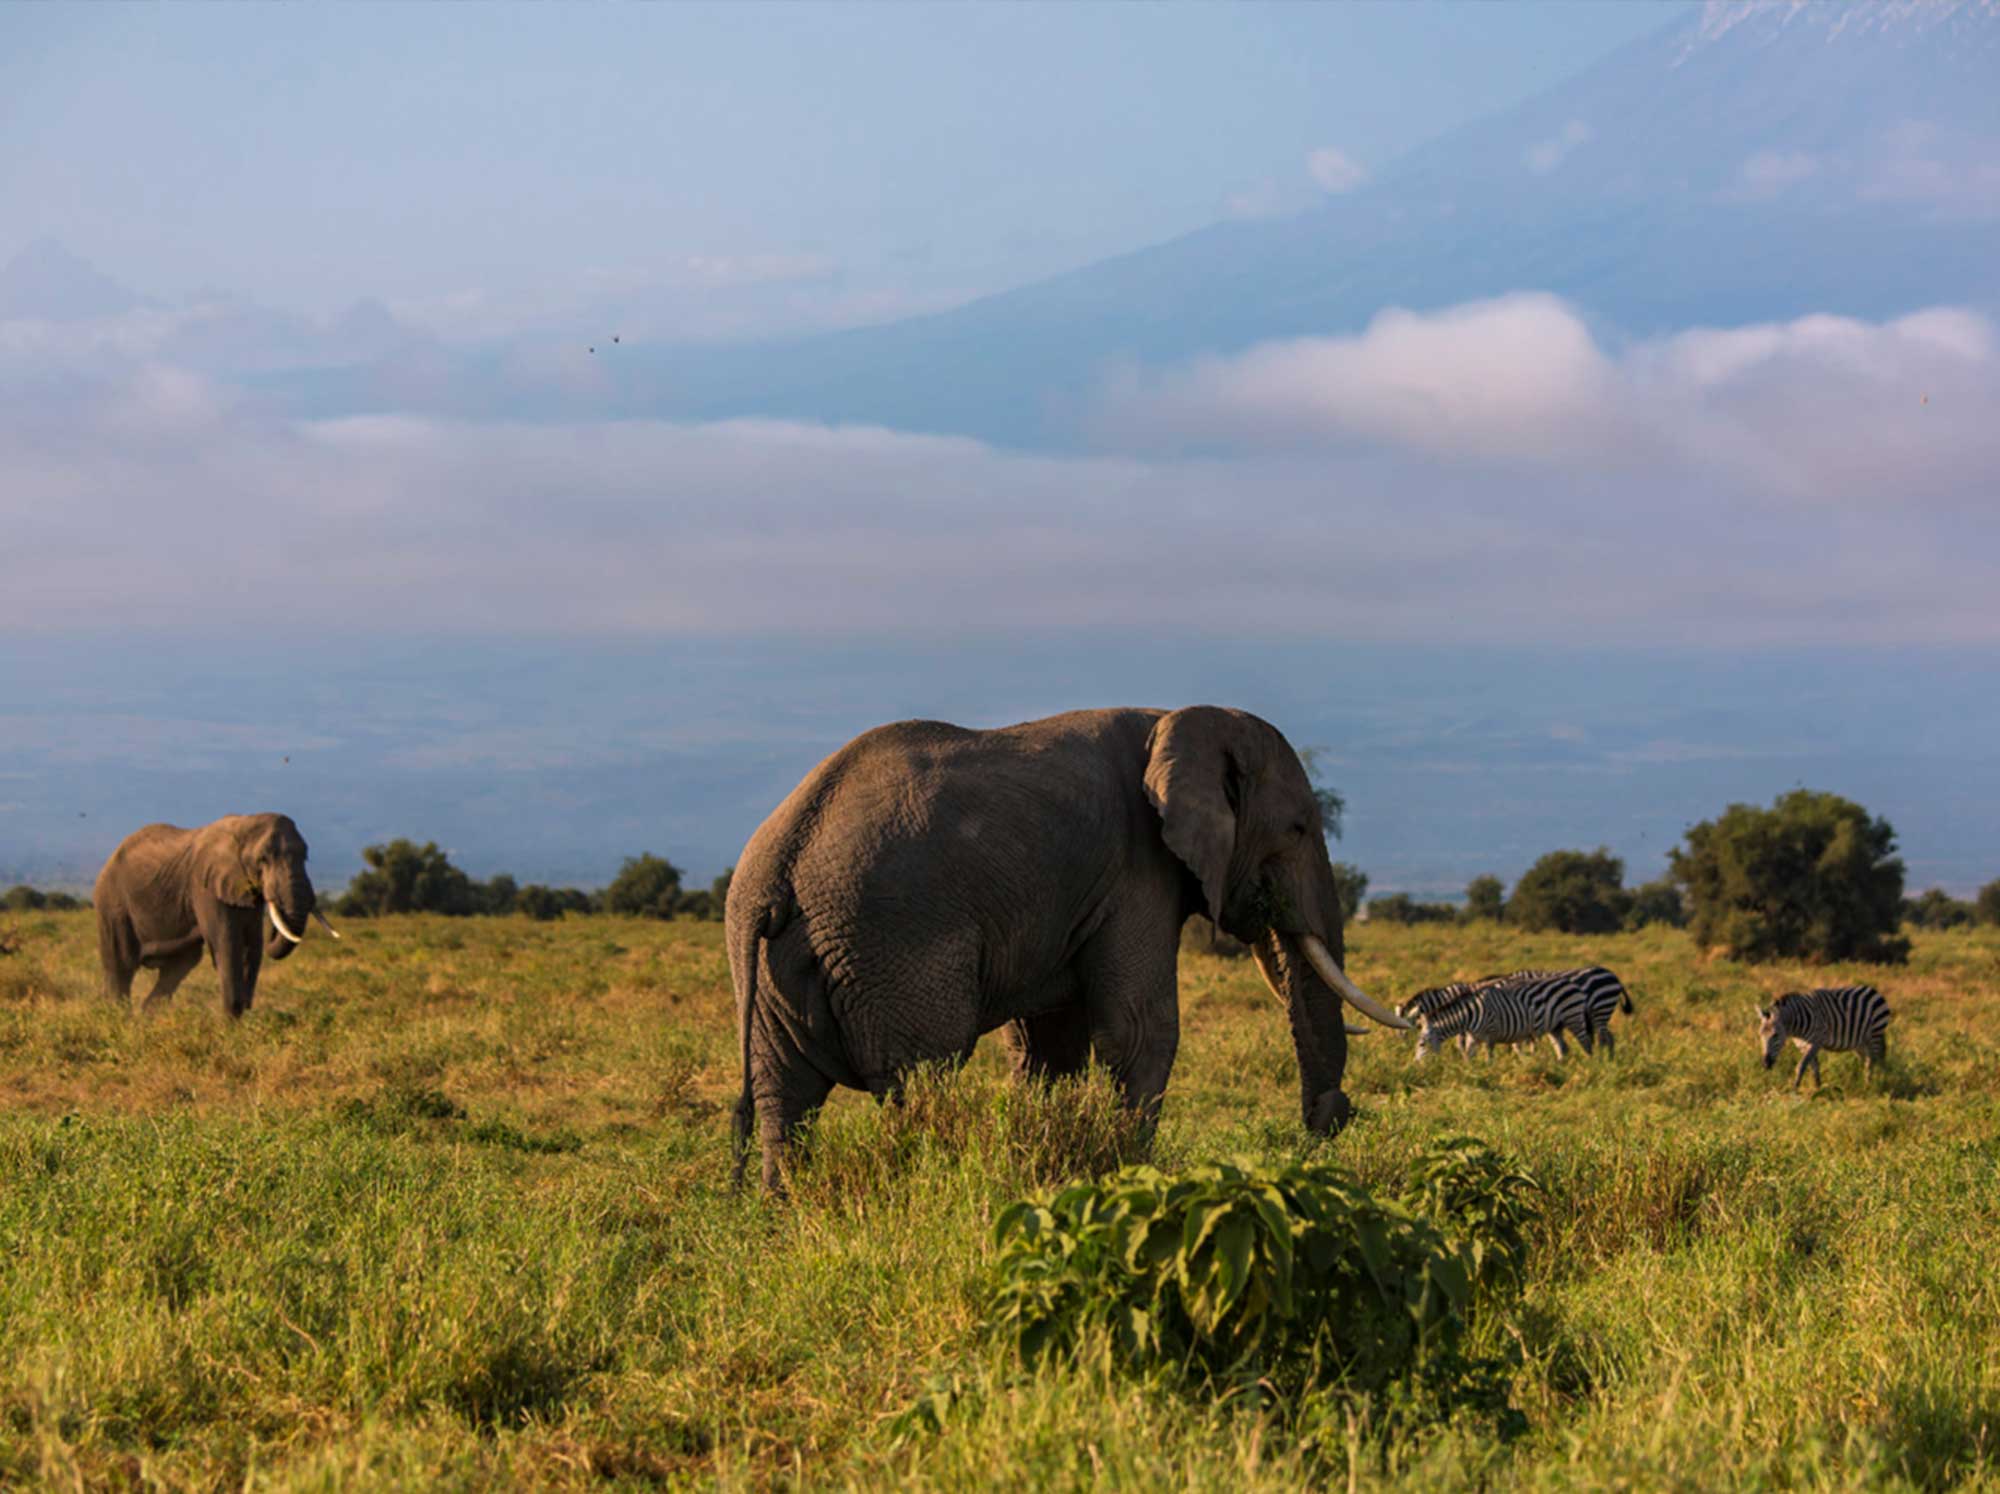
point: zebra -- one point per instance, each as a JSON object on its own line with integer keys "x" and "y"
{"x": 1485, "y": 1014}
{"x": 1579, "y": 1001}
{"x": 1840, "y": 1019}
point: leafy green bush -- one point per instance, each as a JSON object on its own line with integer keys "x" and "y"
{"x": 1573, "y": 892}
{"x": 1481, "y": 1201}
{"x": 647, "y": 886}
{"x": 1987, "y": 905}
{"x": 1295, "y": 1275}
{"x": 1812, "y": 877}
{"x": 1656, "y": 902}
{"x": 1485, "y": 898}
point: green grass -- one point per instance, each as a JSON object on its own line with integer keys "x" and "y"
{"x": 450, "y": 1208}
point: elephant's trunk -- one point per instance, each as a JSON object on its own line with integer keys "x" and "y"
{"x": 288, "y": 902}
{"x": 1318, "y": 1035}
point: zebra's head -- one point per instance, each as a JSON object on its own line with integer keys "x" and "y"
{"x": 1771, "y": 1029}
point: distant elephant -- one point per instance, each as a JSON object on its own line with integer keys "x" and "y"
{"x": 166, "y": 893}
{"x": 927, "y": 884}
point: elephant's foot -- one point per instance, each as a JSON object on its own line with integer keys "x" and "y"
{"x": 1329, "y": 1113}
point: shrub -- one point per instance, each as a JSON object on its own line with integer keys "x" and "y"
{"x": 1294, "y": 1275}
{"x": 1987, "y": 904}
{"x": 1351, "y": 883}
{"x": 1572, "y": 892}
{"x": 1812, "y": 877}
{"x": 646, "y": 886}
{"x": 1938, "y": 909}
{"x": 1656, "y": 902}
{"x": 1400, "y": 907}
{"x": 23, "y": 899}
{"x": 1483, "y": 899}
{"x": 547, "y": 903}
{"x": 404, "y": 877}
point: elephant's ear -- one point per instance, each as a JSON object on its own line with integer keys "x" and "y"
{"x": 222, "y": 867}
{"x": 1191, "y": 779}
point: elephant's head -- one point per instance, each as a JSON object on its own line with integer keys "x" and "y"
{"x": 1237, "y": 809}
{"x": 252, "y": 860}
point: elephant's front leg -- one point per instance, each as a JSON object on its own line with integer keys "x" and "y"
{"x": 234, "y": 937}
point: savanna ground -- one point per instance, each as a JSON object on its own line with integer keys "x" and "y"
{"x": 451, "y": 1208}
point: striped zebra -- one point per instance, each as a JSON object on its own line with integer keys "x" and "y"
{"x": 1838, "y": 1019}
{"x": 1485, "y": 1014}
{"x": 1579, "y": 1001}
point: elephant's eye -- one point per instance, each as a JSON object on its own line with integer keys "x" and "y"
{"x": 1300, "y": 830}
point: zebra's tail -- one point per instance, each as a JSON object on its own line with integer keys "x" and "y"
{"x": 1624, "y": 999}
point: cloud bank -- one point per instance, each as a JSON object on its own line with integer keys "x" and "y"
{"x": 1493, "y": 472}
{"x": 1822, "y": 409}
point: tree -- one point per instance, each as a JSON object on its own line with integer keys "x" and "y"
{"x": 1331, "y": 805}
{"x": 1813, "y": 877}
{"x": 1938, "y": 909}
{"x": 1574, "y": 892}
{"x": 1351, "y": 883}
{"x": 1657, "y": 902}
{"x": 647, "y": 886}
{"x": 1988, "y": 903}
{"x": 1483, "y": 899}
{"x": 23, "y": 899}
{"x": 404, "y": 877}
{"x": 500, "y": 894}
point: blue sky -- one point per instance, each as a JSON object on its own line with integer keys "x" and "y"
{"x": 353, "y": 509}
{"x": 476, "y": 166}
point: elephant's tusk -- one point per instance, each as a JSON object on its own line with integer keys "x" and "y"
{"x": 324, "y": 924}
{"x": 279, "y": 924}
{"x": 1333, "y": 975}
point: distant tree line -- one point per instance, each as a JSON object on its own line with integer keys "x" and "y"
{"x": 1812, "y": 877}
{"x": 404, "y": 877}
{"x": 26, "y": 899}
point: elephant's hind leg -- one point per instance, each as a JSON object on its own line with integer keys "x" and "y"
{"x": 173, "y": 970}
{"x": 785, "y": 1105}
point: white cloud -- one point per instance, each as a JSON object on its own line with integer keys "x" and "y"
{"x": 1546, "y": 156}
{"x": 1822, "y": 407}
{"x": 1952, "y": 172}
{"x": 1265, "y": 199}
{"x": 1768, "y": 173}
{"x": 1334, "y": 170}
{"x": 1494, "y": 468}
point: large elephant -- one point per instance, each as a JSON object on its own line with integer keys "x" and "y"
{"x": 166, "y": 893}
{"x": 927, "y": 884}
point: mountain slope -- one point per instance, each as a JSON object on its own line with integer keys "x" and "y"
{"x": 1749, "y": 162}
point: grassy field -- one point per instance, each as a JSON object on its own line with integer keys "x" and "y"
{"x": 450, "y": 1208}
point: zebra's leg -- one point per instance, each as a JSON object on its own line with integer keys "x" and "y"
{"x": 1800, "y": 1072}
{"x": 1562, "y": 1048}
{"x": 1610, "y": 1043}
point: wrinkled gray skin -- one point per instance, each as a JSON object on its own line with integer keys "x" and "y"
{"x": 927, "y": 884}
{"x": 168, "y": 893}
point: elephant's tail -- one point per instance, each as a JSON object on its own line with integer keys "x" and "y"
{"x": 745, "y": 1119}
